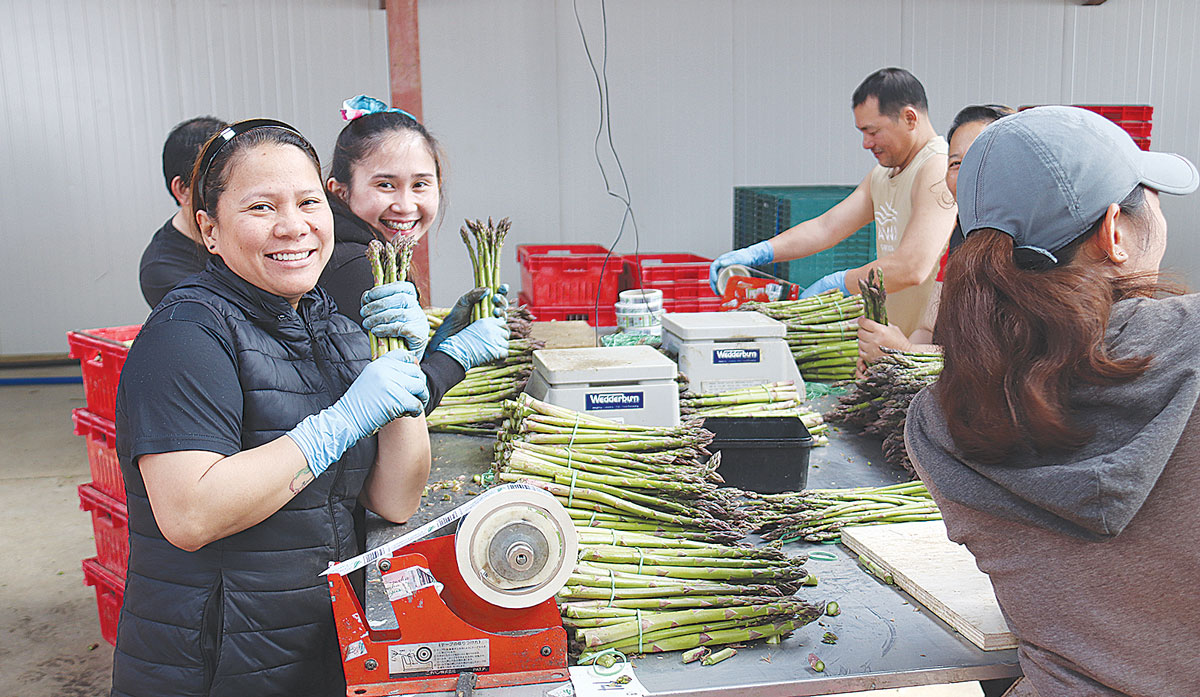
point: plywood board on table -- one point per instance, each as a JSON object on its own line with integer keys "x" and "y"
{"x": 565, "y": 334}
{"x": 940, "y": 574}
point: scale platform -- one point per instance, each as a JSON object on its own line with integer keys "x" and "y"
{"x": 722, "y": 351}
{"x": 631, "y": 384}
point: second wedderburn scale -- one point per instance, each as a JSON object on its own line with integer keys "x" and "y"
{"x": 722, "y": 351}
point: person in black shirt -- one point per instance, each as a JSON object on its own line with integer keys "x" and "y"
{"x": 175, "y": 252}
{"x": 385, "y": 182}
{"x": 252, "y": 422}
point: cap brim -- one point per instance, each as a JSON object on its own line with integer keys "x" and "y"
{"x": 1168, "y": 173}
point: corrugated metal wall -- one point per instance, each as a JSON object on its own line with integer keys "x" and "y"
{"x": 705, "y": 95}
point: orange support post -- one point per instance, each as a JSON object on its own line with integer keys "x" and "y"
{"x": 404, "y": 73}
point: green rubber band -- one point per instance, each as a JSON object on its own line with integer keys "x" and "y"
{"x": 639, "y": 624}
{"x": 592, "y": 520}
{"x": 616, "y": 667}
{"x": 571, "y": 492}
{"x": 612, "y": 588}
{"x": 613, "y": 532}
{"x": 641, "y": 560}
{"x": 822, "y": 556}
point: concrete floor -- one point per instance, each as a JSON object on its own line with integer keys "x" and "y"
{"x": 50, "y": 643}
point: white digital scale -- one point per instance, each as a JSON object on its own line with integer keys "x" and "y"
{"x": 723, "y": 351}
{"x": 630, "y": 384}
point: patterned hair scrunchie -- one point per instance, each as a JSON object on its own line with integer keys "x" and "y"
{"x": 362, "y": 105}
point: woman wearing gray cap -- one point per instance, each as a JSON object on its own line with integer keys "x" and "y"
{"x": 1060, "y": 441}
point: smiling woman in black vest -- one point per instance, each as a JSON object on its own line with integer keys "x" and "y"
{"x": 250, "y": 421}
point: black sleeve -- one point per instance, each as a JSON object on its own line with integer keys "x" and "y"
{"x": 442, "y": 373}
{"x": 179, "y": 387}
{"x": 155, "y": 278}
{"x": 346, "y": 278}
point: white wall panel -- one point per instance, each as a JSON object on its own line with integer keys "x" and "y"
{"x": 705, "y": 95}
{"x": 1145, "y": 53}
{"x": 89, "y": 91}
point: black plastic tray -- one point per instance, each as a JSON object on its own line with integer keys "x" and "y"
{"x": 767, "y": 454}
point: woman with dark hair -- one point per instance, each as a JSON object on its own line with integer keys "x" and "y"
{"x": 1060, "y": 441}
{"x": 385, "y": 182}
{"x": 873, "y": 337}
{"x": 250, "y": 423}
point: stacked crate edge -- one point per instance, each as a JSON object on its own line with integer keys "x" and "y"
{"x": 110, "y": 594}
{"x": 101, "y": 438}
{"x": 101, "y": 354}
{"x": 110, "y": 526}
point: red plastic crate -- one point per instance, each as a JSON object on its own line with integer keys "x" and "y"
{"x": 110, "y": 594}
{"x": 1137, "y": 129}
{"x": 101, "y": 355}
{"x": 101, "y": 437}
{"x": 545, "y": 313}
{"x": 558, "y": 275}
{"x": 654, "y": 269}
{"x": 1121, "y": 112}
{"x": 685, "y": 289}
{"x": 110, "y": 523}
{"x": 711, "y": 304}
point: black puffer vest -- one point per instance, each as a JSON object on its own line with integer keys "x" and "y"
{"x": 249, "y": 614}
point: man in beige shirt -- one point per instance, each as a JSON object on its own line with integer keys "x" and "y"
{"x": 905, "y": 195}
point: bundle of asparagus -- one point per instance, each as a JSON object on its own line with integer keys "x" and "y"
{"x": 818, "y": 515}
{"x": 485, "y": 258}
{"x": 822, "y": 332}
{"x": 654, "y": 573}
{"x": 648, "y": 594}
{"x": 773, "y": 399}
{"x": 879, "y": 401}
{"x": 475, "y": 406}
{"x": 620, "y": 476}
{"x": 389, "y": 264}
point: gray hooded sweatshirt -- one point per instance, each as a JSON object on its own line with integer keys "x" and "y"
{"x": 1093, "y": 554}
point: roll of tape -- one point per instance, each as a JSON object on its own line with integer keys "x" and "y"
{"x": 729, "y": 272}
{"x": 516, "y": 548}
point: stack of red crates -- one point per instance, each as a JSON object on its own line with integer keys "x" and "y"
{"x": 1136, "y": 119}
{"x": 101, "y": 353}
{"x": 682, "y": 278}
{"x": 582, "y": 281}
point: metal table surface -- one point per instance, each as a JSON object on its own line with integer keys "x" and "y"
{"x": 885, "y": 638}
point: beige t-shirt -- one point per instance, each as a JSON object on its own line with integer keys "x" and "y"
{"x": 891, "y": 197}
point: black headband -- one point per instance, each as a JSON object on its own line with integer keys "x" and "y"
{"x": 232, "y": 131}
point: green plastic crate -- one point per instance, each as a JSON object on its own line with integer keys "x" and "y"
{"x": 761, "y": 212}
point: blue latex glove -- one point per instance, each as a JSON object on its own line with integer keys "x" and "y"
{"x": 458, "y": 319}
{"x": 483, "y": 341}
{"x": 837, "y": 279}
{"x": 755, "y": 255}
{"x": 392, "y": 310}
{"x": 388, "y": 388}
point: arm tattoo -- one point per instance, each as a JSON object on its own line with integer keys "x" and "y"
{"x": 300, "y": 480}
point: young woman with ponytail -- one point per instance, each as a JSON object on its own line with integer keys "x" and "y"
{"x": 1060, "y": 441}
{"x": 385, "y": 183}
